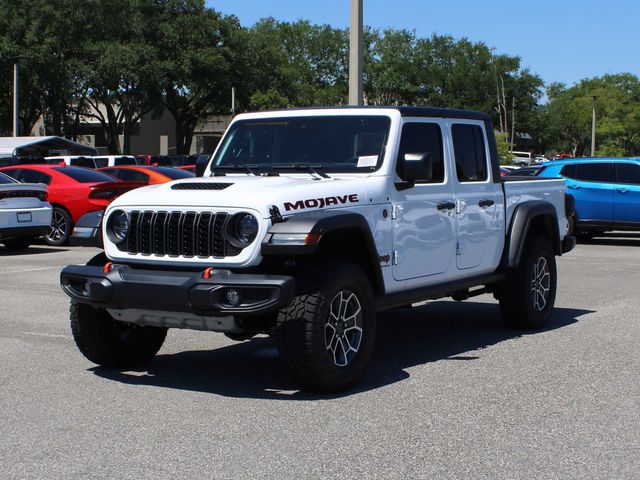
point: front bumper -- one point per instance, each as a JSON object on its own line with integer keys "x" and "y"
{"x": 126, "y": 288}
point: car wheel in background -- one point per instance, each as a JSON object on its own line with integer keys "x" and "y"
{"x": 61, "y": 226}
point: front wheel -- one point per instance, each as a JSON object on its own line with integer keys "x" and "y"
{"x": 326, "y": 335}
{"x": 112, "y": 343}
{"x": 528, "y": 294}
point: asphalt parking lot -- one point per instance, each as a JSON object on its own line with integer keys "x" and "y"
{"x": 451, "y": 393}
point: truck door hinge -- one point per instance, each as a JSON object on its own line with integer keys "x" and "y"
{"x": 396, "y": 210}
{"x": 395, "y": 259}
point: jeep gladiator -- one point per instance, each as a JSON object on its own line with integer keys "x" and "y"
{"x": 305, "y": 223}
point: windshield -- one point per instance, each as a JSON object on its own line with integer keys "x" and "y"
{"x": 334, "y": 144}
{"x": 6, "y": 179}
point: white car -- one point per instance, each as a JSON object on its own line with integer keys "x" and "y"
{"x": 305, "y": 223}
{"x": 25, "y": 213}
{"x": 98, "y": 161}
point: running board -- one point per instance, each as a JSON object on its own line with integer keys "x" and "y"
{"x": 393, "y": 300}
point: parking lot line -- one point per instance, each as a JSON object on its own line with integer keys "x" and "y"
{"x": 32, "y": 269}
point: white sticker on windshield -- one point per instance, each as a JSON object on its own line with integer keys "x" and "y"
{"x": 368, "y": 161}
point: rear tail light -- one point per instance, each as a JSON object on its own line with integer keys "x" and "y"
{"x": 108, "y": 193}
{"x": 42, "y": 196}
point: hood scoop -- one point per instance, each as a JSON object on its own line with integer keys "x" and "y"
{"x": 201, "y": 186}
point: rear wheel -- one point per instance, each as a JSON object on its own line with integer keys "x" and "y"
{"x": 111, "y": 343}
{"x": 61, "y": 226}
{"x": 528, "y": 294}
{"x": 17, "y": 244}
{"x": 326, "y": 335}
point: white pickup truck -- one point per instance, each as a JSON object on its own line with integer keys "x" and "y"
{"x": 306, "y": 223}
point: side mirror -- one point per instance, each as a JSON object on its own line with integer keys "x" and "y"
{"x": 414, "y": 167}
{"x": 201, "y": 165}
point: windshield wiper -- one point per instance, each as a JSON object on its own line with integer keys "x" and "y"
{"x": 222, "y": 169}
{"x": 314, "y": 169}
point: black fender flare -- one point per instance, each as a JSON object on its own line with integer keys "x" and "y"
{"x": 522, "y": 219}
{"x": 92, "y": 224}
{"x": 322, "y": 224}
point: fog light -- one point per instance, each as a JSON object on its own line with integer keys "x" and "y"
{"x": 233, "y": 297}
{"x": 86, "y": 288}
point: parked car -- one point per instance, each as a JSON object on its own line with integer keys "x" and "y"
{"x": 306, "y": 239}
{"x": 530, "y": 171}
{"x": 146, "y": 159}
{"x": 146, "y": 174}
{"x": 606, "y": 192}
{"x": 73, "y": 191}
{"x": 522, "y": 158}
{"x": 93, "y": 162}
{"x": 25, "y": 213}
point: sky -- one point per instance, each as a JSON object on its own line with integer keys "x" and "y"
{"x": 562, "y": 40}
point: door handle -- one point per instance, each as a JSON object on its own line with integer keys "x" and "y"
{"x": 623, "y": 190}
{"x": 485, "y": 202}
{"x": 446, "y": 205}
{"x": 574, "y": 187}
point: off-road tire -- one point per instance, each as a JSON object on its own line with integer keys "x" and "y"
{"x": 61, "y": 227}
{"x": 111, "y": 343}
{"x": 520, "y": 302}
{"x": 302, "y": 326}
{"x": 18, "y": 244}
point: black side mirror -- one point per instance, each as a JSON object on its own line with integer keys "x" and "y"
{"x": 201, "y": 165}
{"x": 414, "y": 167}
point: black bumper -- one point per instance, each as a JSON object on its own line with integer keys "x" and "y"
{"x": 19, "y": 232}
{"x": 124, "y": 287}
{"x": 568, "y": 243}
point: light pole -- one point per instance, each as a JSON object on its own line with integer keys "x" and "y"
{"x": 16, "y": 124}
{"x": 355, "y": 54}
{"x": 593, "y": 127}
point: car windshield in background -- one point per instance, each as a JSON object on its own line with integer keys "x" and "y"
{"x": 334, "y": 144}
{"x": 84, "y": 175}
{"x": 6, "y": 179}
{"x": 124, "y": 161}
{"x": 174, "y": 173}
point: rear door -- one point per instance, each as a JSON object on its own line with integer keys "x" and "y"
{"x": 423, "y": 216}
{"x": 480, "y": 230}
{"x": 626, "y": 194}
{"x": 590, "y": 184}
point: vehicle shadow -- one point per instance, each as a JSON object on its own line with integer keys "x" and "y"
{"x": 5, "y": 252}
{"x": 621, "y": 239}
{"x": 439, "y": 331}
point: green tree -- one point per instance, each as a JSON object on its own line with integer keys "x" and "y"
{"x": 200, "y": 54}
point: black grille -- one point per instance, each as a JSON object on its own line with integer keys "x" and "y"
{"x": 187, "y": 234}
{"x": 200, "y": 186}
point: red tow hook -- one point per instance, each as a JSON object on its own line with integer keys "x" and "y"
{"x": 107, "y": 267}
{"x": 207, "y": 273}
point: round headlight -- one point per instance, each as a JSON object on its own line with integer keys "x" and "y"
{"x": 119, "y": 222}
{"x": 244, "y": 229}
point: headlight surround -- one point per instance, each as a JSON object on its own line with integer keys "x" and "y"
{"x": 118, "y": 226}
{"x": 242, "y": 229}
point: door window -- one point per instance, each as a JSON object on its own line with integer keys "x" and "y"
{"x": 470, "y": 153}
{"x": 593, "y": 172}
{"x": 628, "y": 173}
{"x": 424, "y": 138}
{"x": 33, "y": 176}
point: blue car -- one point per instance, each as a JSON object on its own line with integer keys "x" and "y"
{"x": 606, "y": 191}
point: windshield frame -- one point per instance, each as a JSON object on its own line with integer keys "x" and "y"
{"x": 283, "y": 167}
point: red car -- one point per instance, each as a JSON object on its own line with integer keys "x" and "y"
{"x": 73, "y": 191}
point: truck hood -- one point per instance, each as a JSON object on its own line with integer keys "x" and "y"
{"x": 290, "y": 194}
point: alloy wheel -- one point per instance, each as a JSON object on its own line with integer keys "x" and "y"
{"x": 540, "y": 284}
{"x": 343, "y": 329}
{"x": 59, "y": 227}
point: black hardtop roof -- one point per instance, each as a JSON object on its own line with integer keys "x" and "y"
{"x": 408, "y": 111}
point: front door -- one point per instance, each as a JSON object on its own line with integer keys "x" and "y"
{"x": 590, "y": 184}
{"x": 424, "y": 215}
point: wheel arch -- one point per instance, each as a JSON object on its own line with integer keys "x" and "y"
{"x": 343, "y": 236}
{"x": 530, "y": 218}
